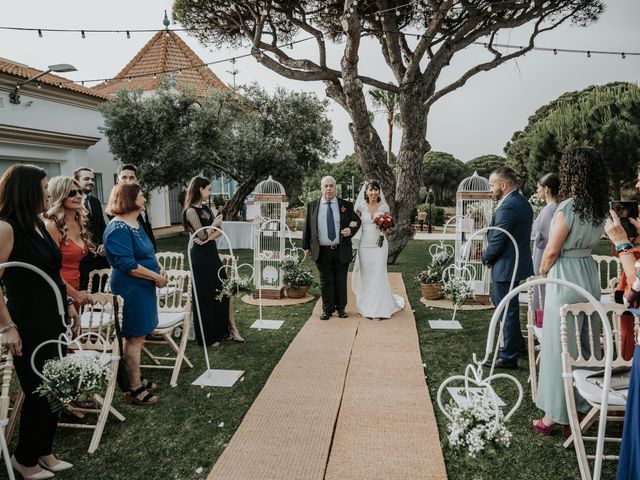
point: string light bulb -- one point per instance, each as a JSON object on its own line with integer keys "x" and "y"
{"x": 555, "y": 51}
{"x": 39, "y": 33}
{"x": 128, "y": 34}
{"x": 623, "y": 56}
{"x": 82, "y": 34}
{"x": 588, "y": 53}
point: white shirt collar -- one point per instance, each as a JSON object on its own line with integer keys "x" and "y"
{"x": 505, "y": 197}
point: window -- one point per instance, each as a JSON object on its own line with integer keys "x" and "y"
{"x": 52, "y": 168}
{"x": 98, "y": 191}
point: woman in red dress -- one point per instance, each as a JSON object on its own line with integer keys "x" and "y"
{"x": 65, "y": 222}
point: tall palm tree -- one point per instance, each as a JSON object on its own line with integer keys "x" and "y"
{"x": 388, "y": 101}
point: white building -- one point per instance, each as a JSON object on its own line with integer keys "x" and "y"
{"x": 166, "y": 51}
{"x": 55, "y": 125}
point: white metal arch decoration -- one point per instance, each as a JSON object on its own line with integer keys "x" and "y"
{"x": 474, "y": 371}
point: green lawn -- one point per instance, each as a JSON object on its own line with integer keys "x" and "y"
{"x": 181, "y": 433}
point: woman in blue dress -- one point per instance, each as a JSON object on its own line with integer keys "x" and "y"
{"x": 134, "y": 277}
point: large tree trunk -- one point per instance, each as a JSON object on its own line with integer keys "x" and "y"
{"x": 232, "y": 208}
{"x": 413, "y": 146}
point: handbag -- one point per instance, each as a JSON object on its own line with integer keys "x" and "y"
{"x": 539, "y": 317}
{"x": 124, "y": 384}
{"x": 620, "y": 377}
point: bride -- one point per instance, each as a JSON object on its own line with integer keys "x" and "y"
{"x": 374, "y": 298}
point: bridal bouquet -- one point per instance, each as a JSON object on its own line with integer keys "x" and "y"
{"x": 473, "y": 424}
{"x": 72, "y": 378}
{"x": 384, "y": 222}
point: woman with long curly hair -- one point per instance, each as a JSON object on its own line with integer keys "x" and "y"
{"x": 576, "y": 229}
{"x": 65, "y": 222}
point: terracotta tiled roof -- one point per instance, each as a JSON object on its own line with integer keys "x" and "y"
{"x": 24, "y": 72}
{"x": 165, "y": 51}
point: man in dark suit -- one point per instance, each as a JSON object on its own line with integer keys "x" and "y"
{"x": 128, "y": 173}
{"x": 330, "y": 224}
{"x": 95, "y": 226}
{"x": 513, "y": 214}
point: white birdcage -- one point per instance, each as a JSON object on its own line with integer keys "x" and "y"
{"x": 269, "y": 229}
{"x": 474, "y": 209}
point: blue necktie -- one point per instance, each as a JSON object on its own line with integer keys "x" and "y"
{"x": 331, "y": 224}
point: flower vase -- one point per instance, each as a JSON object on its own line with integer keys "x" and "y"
{"x": 431, "y": 291}
{"x": 299, "y": 292}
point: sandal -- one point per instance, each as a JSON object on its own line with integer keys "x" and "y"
{"x": 133, "y": 397}
{"x": 544, "y": 429}
{"x": 149, "y": 385}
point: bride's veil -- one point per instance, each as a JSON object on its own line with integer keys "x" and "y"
{"x": 361, "y": 205}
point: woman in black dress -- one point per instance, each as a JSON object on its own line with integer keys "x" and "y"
{"x": 30, "y": 315}
{"x": 217, "y": 316}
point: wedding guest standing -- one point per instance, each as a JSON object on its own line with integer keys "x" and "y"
{"x": 65, "y": 222}
{"x": 548, "y": 187}
{"x": 30, "y": 315}
{"x": 513, "y": 214}
{"x": 576, "y": 229}
{"x": 217, "y": 317}
{"x": 129, "y": 174}
{"x": 93, "y": 260}
{"x": 135, "y": 276}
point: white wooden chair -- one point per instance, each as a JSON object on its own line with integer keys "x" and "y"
{"x": 576, "y": 370}
{"x": 170, "y": 260}
{"x": 98, "y": 319}
{"x": 102, "y": 277}
{"x": 6, "y": 361}
{"x": 174, "y": 311}
{"x": 534, "y": 336}
{"x": 609, "y": 268}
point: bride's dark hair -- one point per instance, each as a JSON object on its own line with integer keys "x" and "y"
{"x": 371, "y": 184}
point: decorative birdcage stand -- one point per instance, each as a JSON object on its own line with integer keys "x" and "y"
{"x": 215, "y": 377}
{"x": 270, "y": 209}
{"x": 474, "y": 209}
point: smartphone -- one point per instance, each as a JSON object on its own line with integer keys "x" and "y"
{"x": 626, "y": 210}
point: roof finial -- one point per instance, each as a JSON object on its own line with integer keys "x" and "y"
{"x": 166, "y": 21}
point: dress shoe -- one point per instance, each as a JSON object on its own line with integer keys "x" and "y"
{"x": 509, "y": 364}
{"x": 21, "y": 469}
{"x": 53, "y": 464}
{"x": 325, "y": 316}
{"x": 342, "y": 314}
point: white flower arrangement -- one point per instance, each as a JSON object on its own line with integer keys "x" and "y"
{"x": 234, "y": 285}
{"x": 75, "y": 377}
{"x": 458, "y": 290}
{"x": 537, "y": 204}
{"x": 474, "y": 426}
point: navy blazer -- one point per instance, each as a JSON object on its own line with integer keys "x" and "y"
{"x": 514, "y": 215}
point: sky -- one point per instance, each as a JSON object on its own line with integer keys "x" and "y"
{"x": 475, "y": 120}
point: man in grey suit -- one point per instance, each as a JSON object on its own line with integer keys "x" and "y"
{"x": 329, "y": 226}
{"x": 515, "y": 215}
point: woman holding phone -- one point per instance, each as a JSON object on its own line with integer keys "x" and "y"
{"x": 218, "y": 321}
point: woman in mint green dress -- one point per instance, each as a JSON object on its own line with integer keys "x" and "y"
{"x": 576, "y": 229}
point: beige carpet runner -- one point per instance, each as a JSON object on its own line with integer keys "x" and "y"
{"x": 360, "y": 377}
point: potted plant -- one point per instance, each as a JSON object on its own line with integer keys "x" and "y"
{"x": 430, "y": 279}
{"x": 297, "y": 279}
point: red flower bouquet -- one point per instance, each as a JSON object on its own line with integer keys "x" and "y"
{"x": 384, "y": 222}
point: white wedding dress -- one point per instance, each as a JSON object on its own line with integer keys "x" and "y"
{"x": 369, "y": 280}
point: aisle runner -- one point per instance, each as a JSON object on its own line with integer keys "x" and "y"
{"x": 384, "y": 425}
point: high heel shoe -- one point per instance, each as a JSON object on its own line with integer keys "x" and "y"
{"x": 235, "y": 336}
{"x": 544, "y": 429}
{"x": 59, "y": 466}
{"x": 21, "y": 469}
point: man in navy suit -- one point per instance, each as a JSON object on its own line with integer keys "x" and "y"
{"x": 328, "y": 229}
{"x": 513, "y": 214}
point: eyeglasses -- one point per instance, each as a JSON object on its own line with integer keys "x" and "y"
{"x": 73, "y": 193}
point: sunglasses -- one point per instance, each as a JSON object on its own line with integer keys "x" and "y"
{"x": 73, "y": 193}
